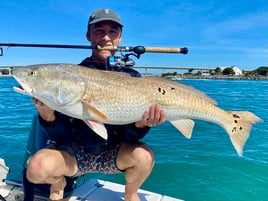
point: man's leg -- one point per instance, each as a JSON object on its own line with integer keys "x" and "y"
{"x": 137, "y": 160}
{"x": 50, "y": 166}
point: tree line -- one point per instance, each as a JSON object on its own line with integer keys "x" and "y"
{"x": 261, "y": 71}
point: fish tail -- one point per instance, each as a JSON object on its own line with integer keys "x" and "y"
{"x": 240, "y": 128}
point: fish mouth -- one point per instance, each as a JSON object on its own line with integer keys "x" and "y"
{"x": 23, "y": 89}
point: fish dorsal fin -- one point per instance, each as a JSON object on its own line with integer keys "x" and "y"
{"x": 184, "y": 87}
{"x": 185, "y": 126}
{"x": 94, "y": 112}
{"x": 98, "y": 128}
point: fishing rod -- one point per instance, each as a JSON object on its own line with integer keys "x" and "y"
{"x": 137, "y": 49}
{"x": 111, "y": 61}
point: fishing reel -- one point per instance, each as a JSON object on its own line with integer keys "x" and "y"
{"x": 119, "y": 61}
{"x": 124, "y": 60}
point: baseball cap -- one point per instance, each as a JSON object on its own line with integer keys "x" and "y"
{"x": 103, "y": 15}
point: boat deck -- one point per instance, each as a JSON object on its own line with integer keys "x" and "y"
{"x": 105, "y": 190}
{"x": 93, "y": 190}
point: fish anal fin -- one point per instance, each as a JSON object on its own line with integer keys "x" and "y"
{"x": 185, "y": 126}
{"x": 95, "y": 113}
{"x": 98, "y": 128}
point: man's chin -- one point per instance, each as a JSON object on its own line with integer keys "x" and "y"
{"x": 105, "y": 54}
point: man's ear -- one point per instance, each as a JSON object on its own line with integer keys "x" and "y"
{"x": 88, "y": 36}
{"x": 120, "y": 40}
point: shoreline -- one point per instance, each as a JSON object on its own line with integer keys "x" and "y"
{"x": 216, "y": 77}
{"x": 204, "y": 77}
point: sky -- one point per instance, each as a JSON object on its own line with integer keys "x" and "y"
{"x": 217, "y": 33}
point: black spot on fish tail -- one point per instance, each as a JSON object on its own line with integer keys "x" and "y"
{"x": 172, "y": 88}
{"x": 236, "y": 116}
{"x": 234, "y": 130}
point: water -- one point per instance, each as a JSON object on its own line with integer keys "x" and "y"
{"x": 205, "y": 167}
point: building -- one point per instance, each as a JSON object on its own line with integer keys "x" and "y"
{"x": 236, "y": 69}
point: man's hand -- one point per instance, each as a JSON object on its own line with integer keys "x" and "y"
{"x": 153, "y": 117}
{"x": 44, "y": 111}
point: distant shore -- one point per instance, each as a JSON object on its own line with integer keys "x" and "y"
{"x": 218, "y": 77}
{"x": 214, "y": 77}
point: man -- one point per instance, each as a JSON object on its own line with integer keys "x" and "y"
{"x": 75, "y": 149}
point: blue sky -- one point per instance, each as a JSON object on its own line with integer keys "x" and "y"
{"x": 217, "y": 33}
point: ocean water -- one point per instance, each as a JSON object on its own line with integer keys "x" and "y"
{"x": 205, "y": 167}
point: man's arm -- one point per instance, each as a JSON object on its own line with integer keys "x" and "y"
{"x": 51, "y": 122}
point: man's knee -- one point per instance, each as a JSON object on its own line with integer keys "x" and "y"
{"x": 138, "y": 155}
{"x": 37, "y": 167}
{"x": 144, "y": 155}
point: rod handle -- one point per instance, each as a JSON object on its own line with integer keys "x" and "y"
{"x": 183, "y": 50}
{"x": 142, "y": 49}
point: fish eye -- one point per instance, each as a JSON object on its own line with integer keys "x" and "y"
{"x": 33, "y": 72}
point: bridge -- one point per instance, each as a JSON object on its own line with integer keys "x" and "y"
{"x": 175, "y": 68}
{"x": 146, "y": 68}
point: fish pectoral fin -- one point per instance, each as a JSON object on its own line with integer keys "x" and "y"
{"x": 98, "y": 128}
{"x": 95, "y": 113}
{"x": 185, "y": 126}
